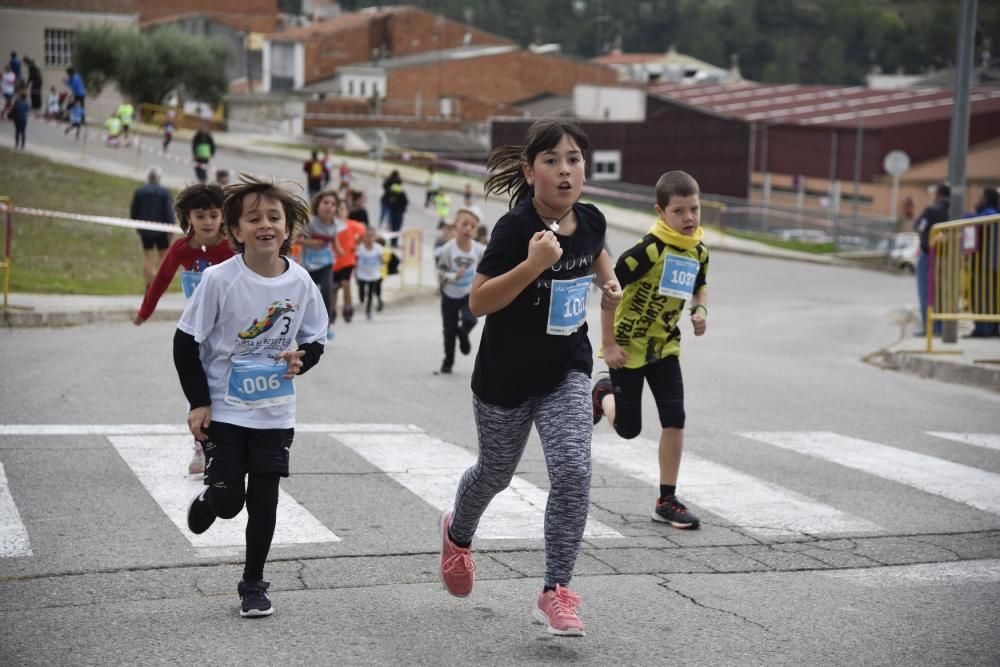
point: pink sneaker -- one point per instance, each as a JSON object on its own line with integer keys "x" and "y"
{"x": 557, "y": 610}
{"x": 458, "y": 572}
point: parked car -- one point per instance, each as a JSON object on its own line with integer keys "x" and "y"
{"x": 904, "y": 248}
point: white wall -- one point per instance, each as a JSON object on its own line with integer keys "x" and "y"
{"x": 609, "y": 103}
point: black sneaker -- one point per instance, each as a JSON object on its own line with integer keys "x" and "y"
{"x": 445, "y": 369}
{"x": 464, "y": 346}
{"x": 602, "y": 387}
{"x": 348, "y": 314}
{"x": 253, "y": 599}
{"x": 200, "y": 516}
{"x": 378, "y": 307}
{"x": 672, "y": 511}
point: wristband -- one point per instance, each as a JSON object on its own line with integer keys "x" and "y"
{"x": 695, "y": 308}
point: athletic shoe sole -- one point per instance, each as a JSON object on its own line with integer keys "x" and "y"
{"x": 675, "y": 524}
{"x": 538, "y": 616}
{"x": 256, "y": 613}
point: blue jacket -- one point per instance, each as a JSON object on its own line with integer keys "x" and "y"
{"x": 19, "y": 114}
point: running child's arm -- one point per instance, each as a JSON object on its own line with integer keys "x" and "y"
{"x": 635, "y": 262}
{"x": 168, "y": 268}
{"x": 699, "y": 301}
{"x": 301, "y": 360}
{"x": 194, "y": 383}
{"x": 611, "y": 296}
{"x": 492, "y": 293}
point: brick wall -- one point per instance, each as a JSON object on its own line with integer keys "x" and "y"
{"x": 102, "y": 6}
{"x": 486, "y": 86}
{"x": 253, "y": 15}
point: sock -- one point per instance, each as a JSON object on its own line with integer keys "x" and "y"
{"x": 546, "y": 589}
{"x": 667, "y": 490}
{"x": 463, "y": 545}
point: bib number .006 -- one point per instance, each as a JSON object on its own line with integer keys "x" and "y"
{"x": 252, "y": 385}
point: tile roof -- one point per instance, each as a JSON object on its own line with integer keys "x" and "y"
{"x": 833, "y": 106}
{"x": 345, "y": 21}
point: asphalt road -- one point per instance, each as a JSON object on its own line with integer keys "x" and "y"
{"x": 836, "y": 527}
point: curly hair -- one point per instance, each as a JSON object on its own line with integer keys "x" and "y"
{"x": 296, "y": 210}
{"x": 197, "y": 196}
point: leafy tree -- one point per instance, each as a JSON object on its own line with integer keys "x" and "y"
{"x": 149, "y": 66}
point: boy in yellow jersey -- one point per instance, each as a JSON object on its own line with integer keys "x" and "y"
{"x": 658, "y": 275}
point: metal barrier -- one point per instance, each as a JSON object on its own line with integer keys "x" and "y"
{"x": 964, "y": 281}
{"x": 5, "y": 264}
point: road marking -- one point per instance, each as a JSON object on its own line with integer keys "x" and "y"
{"x": 987, "y": 440}
{"x": 181, "y": 429}
{"x": 961, "y": 572}
{"x": 160, "y": 462}
{"x": 954, "y": 481}
{"x": 431, "y": 468}
{"x": 759, "y": 506}
{"x": 13, "y": 535}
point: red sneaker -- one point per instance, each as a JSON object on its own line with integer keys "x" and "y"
{"x": 458, "y": 572}
{"x": 557, "y": 610}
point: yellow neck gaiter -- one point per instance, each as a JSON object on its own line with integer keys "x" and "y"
{"x": 672, "y": 237}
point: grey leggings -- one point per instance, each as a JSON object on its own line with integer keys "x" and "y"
{"x": 564, "y": 419}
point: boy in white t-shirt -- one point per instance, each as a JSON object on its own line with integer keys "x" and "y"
{"x": 233, "y": 353}
{"x": 456, "y": 263}
{"x": 369, "y": 271}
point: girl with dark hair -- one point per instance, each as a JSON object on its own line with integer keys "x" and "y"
{"x": 534, "y": 357}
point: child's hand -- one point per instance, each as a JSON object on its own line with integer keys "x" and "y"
{"x": 611, "y": 296}
{"x": 138, "y": 319}
{"x": 698, "y": 322}
{"x": 544, "y": 250}
{"x": 460, "y": 273}
{"x": 198, "y": 420}
{"x": 294, "y": 361}
{"x": 615, "y": 355}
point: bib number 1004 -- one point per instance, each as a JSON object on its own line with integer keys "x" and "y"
{"x": 574, "y": 307}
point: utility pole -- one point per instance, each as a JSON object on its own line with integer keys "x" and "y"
{"x": 958, "y": 143}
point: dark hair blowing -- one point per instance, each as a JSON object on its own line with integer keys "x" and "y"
{"x": 506, "y": 163}
{"x": 679, "y": 183}
{"x": 194, "y": 197}
{"x": 296, "y": 211}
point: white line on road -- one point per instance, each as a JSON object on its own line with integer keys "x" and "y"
{"x": 431, "y": 469}
{"x": 987, "y": 440}
{"x": 180, "y": 429}
{"x": 960, "y": 572}
{"x": 13, "y": 534}
{"x": 759, "y": 506}
{"x": 160, "y": 462}
{"x": 954, "y": 481}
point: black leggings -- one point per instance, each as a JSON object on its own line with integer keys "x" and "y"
{"x": 226, "y": 499}
{"x": 667, "y": 385}
{"x": 369, "y": 290}
{"x": 324, "y": 280}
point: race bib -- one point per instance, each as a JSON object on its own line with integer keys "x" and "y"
{"x": 190, "y": 280}
{"x": 678, "y": 277}
{"x": 568, "y": 306}
{"x": 255, "y": 384}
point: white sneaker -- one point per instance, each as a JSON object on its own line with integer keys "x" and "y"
{"x": 197, "y": 465}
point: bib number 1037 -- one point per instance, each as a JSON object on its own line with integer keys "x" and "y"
{"x": 678, "y": 277}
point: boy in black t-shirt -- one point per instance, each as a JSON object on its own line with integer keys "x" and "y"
{"x": 658, "y": 274}
{"x": 534, "y": 357}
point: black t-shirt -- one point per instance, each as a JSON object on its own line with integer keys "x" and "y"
{"x": 517, "y": 359}
{"x": 932, "y": 215}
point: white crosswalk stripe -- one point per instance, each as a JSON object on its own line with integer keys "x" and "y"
{"x": 13, "y": 535}
{"x": 962, "y": 483}
{"x": 431, "y": 469}
{"x": 159, "y": 461}
{"x": 987, "y": 440}
{"x": 759, "y": 506}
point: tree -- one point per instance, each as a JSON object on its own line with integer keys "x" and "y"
{"x": 149, "y": 66}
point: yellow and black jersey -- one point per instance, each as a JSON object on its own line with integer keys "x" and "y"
{"x": 646, "y": 320}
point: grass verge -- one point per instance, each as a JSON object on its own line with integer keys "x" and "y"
{"x": 61, "y": 256}
{"x": 801, "y": 246}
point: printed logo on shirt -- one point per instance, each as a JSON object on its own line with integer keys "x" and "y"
{"x": 274, "y": 312}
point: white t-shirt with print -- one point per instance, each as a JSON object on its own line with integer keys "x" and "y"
{"x": 237, "y": 315}
{"x": 369, "y": 266}
{"x": 451, "y": 258}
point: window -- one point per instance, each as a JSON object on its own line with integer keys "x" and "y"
{"x": 606, "y": 166}
{"x": 58, "y": 48}
{"x": 364, "y": 88}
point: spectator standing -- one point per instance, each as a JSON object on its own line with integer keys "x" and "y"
{"x": 152, "y": 202}
{"x": 984, "y": 299}
{"x": 15, "y": 66}
{"x": 316, "y": 174}
{"x": 34, "y": 83}
{"x": 383, "y": 214}
{"x": 8, "y": 83}
{"x": 396, "y": 203}
{"x": 126, "y": 113}
{"x": 19, "y": 114}
{"x": 76, "y": 118}
{"x": 932, "y": 215}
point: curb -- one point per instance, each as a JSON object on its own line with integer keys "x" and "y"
{"x": 936, "y": 368}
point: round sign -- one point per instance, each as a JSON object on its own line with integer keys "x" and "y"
{"x": 896, "y": 163}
